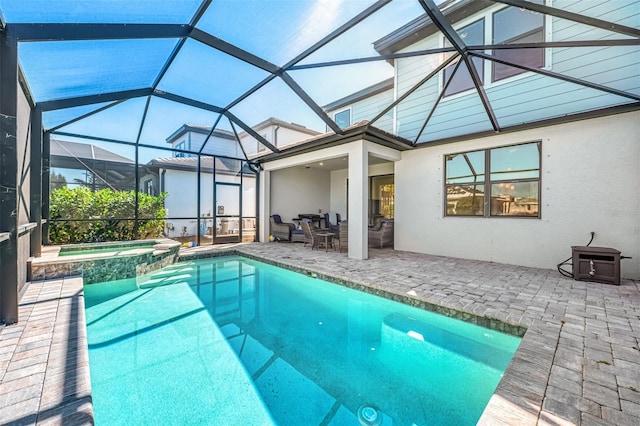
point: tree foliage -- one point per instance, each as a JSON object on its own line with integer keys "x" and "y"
{"x": 57, "y": 181}
{"x": 79, "y": 215}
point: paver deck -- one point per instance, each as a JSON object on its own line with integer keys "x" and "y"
{"x": 578, "y": 362}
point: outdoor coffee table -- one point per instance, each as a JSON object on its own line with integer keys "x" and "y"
{"x": 328, "y": 237}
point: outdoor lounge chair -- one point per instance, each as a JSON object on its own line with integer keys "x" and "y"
{"x": 297, "y": 235}
{"x": 328, "y": 225}
{"x": 341, "y": 240}
{"x": 280, "y": 230}
{"x": 311, "y": 236}
{"x": 382, "y": 237}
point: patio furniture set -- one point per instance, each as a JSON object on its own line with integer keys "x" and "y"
{"x": 331, "y": 235}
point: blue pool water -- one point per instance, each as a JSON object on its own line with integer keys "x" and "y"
{"x": 236, "y": 341}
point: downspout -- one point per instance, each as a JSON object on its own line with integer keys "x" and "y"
{"x": 256, "y": 238}
{"x": 161, "y": 190}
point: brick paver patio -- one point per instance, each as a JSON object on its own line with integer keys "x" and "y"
{"x": 44, "y": 362}
{"x": 578, "y": 363}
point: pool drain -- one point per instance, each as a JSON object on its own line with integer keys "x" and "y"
{"x": 369, "y": 415}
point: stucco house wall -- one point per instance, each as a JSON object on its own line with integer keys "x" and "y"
{"x": 297, "y": 190}
{"x": 181, "y": 186}
{"x": 589, "y": 174}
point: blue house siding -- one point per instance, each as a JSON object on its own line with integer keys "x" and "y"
{"x": 615, "y": 67}
{"x": 412, "y": 112}
{"x": 623, "y": 12}
{"x": 371, "y": 107}
{"x": 473, "y": 119}
{"x": 544, "y": 97}
{"x": 530, "y": 97}
{"x": 523, "y": 98}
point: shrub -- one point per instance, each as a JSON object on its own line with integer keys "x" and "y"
{"x": 79, "y": 215}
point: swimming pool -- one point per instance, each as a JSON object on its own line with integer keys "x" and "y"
{"x": 164, "y": 348}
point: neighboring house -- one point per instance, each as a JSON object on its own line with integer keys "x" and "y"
{"x": 81, "y": 164}
{"x": 560, "y": 164}
{"x": 174, "y": 175}
{"x": 191, "y": 137}
{"x": 231, "y": 215}
{"x": 275, "y": 131}
{"x": 223, "y": 218}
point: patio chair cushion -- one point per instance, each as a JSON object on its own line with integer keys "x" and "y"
{"x": 281, "y": 231}
{"x": 382, "y": 237}
{"x": 297, "y": 236}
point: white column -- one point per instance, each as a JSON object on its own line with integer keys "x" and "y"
{"x": 264, "y": 206}
{"x": 358, "y": 195}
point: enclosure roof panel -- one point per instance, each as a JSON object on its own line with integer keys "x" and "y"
{"x": 86, "y": 152}
{"x": 223, "y": 165}
{"x": 426, "y": 71}
{"x": 99, "y": 11}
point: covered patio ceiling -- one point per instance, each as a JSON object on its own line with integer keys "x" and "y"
{"x": 133, "y": 74}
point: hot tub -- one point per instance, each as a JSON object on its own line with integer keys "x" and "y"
{"x": 98, "y": 262}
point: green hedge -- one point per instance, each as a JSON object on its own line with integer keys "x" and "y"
{"x": 105, "y": 210}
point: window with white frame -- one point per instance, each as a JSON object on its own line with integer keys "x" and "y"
{"x": 148, "y": 187}
{"x": 510, "y": 25}
{"x": 503, "y": 181}
{"x": 343, "y": 118}
{"x": 179, "y": 146}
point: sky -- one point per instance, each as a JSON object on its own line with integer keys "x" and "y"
{"x": 275, "y": 30}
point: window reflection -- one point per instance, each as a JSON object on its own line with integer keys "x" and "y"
{"x": 513, "y": 178}
{"x": 343, "y": 118}
{"x": 472, "y": 34}
{"x": 514, "y": 199}
{"x": 515, "y": 162}
{"x": 465, "y": 167}
{"x": 513, "y": 25}
{"x": 465, "y": 200}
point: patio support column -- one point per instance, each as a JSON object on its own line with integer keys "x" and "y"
{"x": 264, "y": 205}
{"x": 46, "y": 181}
{"x": 199, "y": 190}
{"x": 358, "y": 185}
{"x": 36, "y": 181}
{"x": 9, "y": 205}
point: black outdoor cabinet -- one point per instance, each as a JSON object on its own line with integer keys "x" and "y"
{"x": 599, "y": 264}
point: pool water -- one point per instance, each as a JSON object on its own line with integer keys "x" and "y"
{"x": 164, "y": 348}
